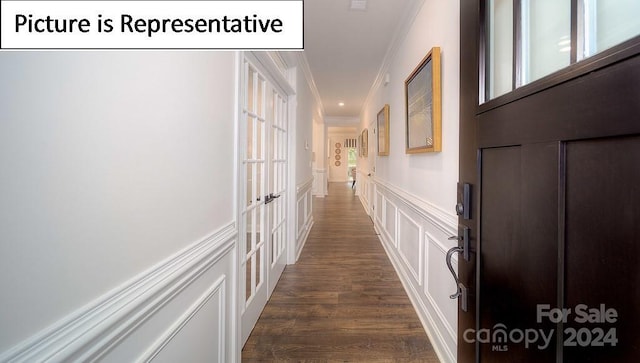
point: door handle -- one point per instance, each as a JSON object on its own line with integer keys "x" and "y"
{"x": 270, "y": 197}
{"x": 461, "y": 290}
{"x": 450, "y": 266}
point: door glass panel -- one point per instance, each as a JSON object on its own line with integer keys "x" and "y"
{"x": 259, "y": 100}
{"x": 259, "y": 266}
{"x": 259, "y": 182}
{"x": 259, "y": 225}
{"x": 249, "y": 184}
{"x": 606, "y": 23}
{"x": 250, "y": 89}
{"x": 248, "y": 280}
{"x": 500, "y": 47}
{"x": 272, "y": 247}
{"x": 546, "y": 37}
{"x": 250, "y": 226}
{"x": 259, "y": 130}
{"x": 250, "y": 122}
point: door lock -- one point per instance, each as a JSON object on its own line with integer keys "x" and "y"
{"x": 463, "y": 207}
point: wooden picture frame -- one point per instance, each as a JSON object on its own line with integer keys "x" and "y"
{"x": 423, "y": 104}
{"x": 365, "y": 143}
{"x": 383, "y": 131}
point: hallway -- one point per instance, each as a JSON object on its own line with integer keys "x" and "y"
{"x": 342, "y": 301}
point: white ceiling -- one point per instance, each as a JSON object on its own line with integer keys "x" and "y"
{"x": 346, "y": 49}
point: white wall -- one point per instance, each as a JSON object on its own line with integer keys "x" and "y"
{"x": 431, "y": 176}
{"x": 414, "y": 195}
{"x": 111, "y": 163}
{"x": 320, "y": 160}
{"x": 308, "y": 113}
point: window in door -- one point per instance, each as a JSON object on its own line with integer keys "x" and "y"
{"x": 526, "y": 40}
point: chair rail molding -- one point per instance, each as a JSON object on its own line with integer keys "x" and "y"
{"x": 94, "y": 330}
{"x": 447, "y": 222}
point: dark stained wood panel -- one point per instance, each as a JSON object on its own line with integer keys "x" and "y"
{"x": 342, "y": 301}
{"x": 519, "y": 249}
{"x": 603, "y": 247}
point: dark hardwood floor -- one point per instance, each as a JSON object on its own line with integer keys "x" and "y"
{"x": 342, "y": 301}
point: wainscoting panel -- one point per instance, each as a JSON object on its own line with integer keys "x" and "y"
{"x": 418, "y": 254}
{"x": 362, "y": 189}
{"x": 379, "y": 208}
{"x": 304, "y": 215}
{"x": 186, "y": 334}
{"x": 165, "y": 312}
{"x": 410, "y": 245}
{"x": 440, "y": 284}
{"x": 390, "y": 221}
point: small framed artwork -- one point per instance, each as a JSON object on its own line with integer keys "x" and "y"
{"x": 338, "y": 145}
{"x": 383, "y": 131}
{"x": 365, "y": 143}
{"x": 338, "y": 151}
{"x": 423, "y": 101}
{"x": 338, "y": 157}
{"x": 337, "y": 163}
{"x": 360, "y": 145}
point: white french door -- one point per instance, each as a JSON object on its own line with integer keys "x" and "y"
{"x": 278, "y": 183}
{"x": 263, "y": 222}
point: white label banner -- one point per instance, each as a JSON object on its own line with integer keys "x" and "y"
{"x": 240, "y": 24}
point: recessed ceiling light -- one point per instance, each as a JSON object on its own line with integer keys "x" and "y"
{"x": 359, "y": 5}
{"x": 341, "y": 104}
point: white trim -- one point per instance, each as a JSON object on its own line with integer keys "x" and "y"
{"x": 445, "y": 221}
{"x": 303, "y": 194}
{"x": 303, "y": 240}
{"x": 303, "y": 63}
{"x": 432, "y": 241}
{"x": 271, "y": 71}
{"x": 304, "y": 187}
{"x": 417, "y": 275}
{"x": 394, "y": 238}
{"x": 437, "y": 340}
{"x": 99, "y": 326}
{"x": 430, "y": 220}
{"x": 176, "y": 327}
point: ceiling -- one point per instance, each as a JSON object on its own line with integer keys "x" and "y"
{"x": 346, "y": 49}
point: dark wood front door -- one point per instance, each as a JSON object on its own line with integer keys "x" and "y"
{"x": 554, "y": 173}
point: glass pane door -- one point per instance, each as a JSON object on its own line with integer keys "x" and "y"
{"x": 254, "y": 219}
{"x": 263, "y": 223}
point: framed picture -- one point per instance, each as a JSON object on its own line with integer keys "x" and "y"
{"x": 383, "y": 131}
{"x": 365, "y": 143}
{"x": 360, "y": 145}
{"x": 423, "y": 105}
